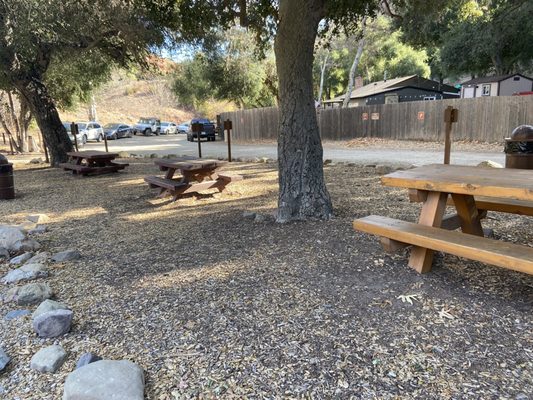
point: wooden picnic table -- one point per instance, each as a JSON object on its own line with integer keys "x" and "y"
{"x": 194, "y": 176}
{"x": 92, "y": 162}
{"x": 472, "y": 191}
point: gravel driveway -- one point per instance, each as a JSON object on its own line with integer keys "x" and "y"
{"x": 373, "y": 151}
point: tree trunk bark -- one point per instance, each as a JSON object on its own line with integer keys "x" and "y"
{"x": 44, "y": 110}
{"x": 302, "y": 190}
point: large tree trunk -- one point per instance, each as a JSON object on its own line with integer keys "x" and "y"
{"x": 44, "y": 110}
{"x": 302, "y": 190}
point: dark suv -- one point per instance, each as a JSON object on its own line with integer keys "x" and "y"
{"x": 208, "y": 130}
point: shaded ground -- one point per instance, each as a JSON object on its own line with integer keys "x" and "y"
{"x": 213, "y": 305}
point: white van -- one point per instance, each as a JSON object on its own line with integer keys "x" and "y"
{"x": 91, "y": 131}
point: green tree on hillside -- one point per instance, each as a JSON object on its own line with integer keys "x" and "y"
{"x": 228, "y": 68}
{"x": 383, "y": 53}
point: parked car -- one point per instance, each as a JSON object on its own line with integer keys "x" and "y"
{"x": 79, "y": 137}
{"x": 208, "y": 130}
{"x": 168, "y": 127}
{"x": 147, "y": 126}
{"x": 184, "y": 127}
{"x": 117, "y": 131}
{"x": 91, "y": 130}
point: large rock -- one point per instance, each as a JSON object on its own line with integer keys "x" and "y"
{"x": 106, "y": 379}
{"x": 27, "y": 272}
{"x": 48, "y": 359}
{"x": 383, "y": 169}
{"x": 66, "y": 255}
{"x": 26, "y": 245}
{"x": 4, "y": 359}
{"x": 9, "y": 235}
{"x": 49, "y": 305}
{"x": 39, "y": 258}
{"x": 53, "y": 323}
{"x": 21, "y": 259}
{"x": 32, "y": 293}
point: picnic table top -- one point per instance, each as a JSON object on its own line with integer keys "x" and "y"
{"x": 92, "y": 154}
{"x": 480, "y": 181}
{"x": 188, "y": 165}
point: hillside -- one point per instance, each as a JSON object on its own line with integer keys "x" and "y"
{"x": 126, "y": 98}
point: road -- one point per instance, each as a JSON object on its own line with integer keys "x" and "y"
{"x": 178, "y": 145}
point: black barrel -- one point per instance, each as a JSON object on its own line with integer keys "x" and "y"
{"x": 519, "y": 148}
{"x": 7, "y": 186}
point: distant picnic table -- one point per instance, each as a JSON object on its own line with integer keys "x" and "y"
{"x": 92, "y": 162}
{"x": 472, "y": 191}
{"x": 194, "y": 176}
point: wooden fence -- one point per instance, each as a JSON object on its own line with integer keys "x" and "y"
{"x": 486, "y": 119}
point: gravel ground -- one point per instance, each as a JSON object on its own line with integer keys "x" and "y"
{"x": 213, "y": 305}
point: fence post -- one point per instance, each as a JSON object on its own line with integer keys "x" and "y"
{"x": 198, "y": 128}
{"x": 227, "y": 127}
{"x": 450, "y": 116}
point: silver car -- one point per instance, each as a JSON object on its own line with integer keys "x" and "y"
{"x": 79, "y": 137}
{"x": 91, "y": 130}
{"x": 168, "y": 127}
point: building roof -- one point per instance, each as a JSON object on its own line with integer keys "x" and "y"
{"x": 489, "y": 79}
{"x": 388, "y": 85}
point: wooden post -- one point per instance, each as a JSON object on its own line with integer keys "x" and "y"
{"x": 227, "y": 128}
{"x": 450, "y": 116}
{"x": 198, "y": 128}
{"x": 74, "y": 131}
{"x": 4, "y": 136}
{"x": 105, "y": 143}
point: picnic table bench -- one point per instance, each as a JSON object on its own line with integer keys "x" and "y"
{"x": 92, "y": 162}
{"x": 472, "y": 191}
{"x": 195, "y": 176}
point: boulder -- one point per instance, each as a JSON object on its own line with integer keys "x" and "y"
{"x": 16, "y": 314}
{"x": 4, "y": 359}
{"x": 9, "y": 235}
{"x": 38, "y": 218}
{"x": 49, "y": 305}
{"x": 39, "y": 258}
{"x": 66, "y": 255}
{"x": 87, "y": 358}
{"x": 27, "y": 272}
{"x": 29, "y": 294}
{"x": 26, "y": 245}
{"x": 36, "y": 161}
{"x": 53, "y": 323}
{"x": 489, "y": 164}
{"x": 123, "y": 154}
{"x": 21, "y": 259}
{"x": 105, "y": 379}
{"x": 48, "y": 359}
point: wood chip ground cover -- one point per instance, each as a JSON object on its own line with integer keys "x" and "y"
{"x": 213, "y": 305}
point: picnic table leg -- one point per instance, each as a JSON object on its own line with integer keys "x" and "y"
{"x": 431, "y": 215}
{"x": 168, "y": 175}
{"x": 468, "y": 214}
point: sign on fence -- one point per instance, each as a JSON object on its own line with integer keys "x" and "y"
{"x": 364, "y": 116}
{"x": 421, "y": 115}
{"x": 374, "y": 116}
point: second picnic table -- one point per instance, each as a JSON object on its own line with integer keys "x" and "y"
{"x": 195, "y": 176}
{"x": 92, "y": 162}
{"x": 472, "y": 191}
